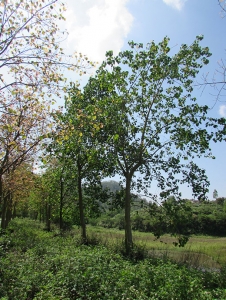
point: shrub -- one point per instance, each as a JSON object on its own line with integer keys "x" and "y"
{"x": 57, "y": 267}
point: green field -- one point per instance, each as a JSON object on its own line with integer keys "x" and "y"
{"x": 41, "y": 265}
{"x": 203, "y": 251}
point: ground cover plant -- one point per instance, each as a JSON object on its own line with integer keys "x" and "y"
{"x": 36, "y": 264}
{"x": 203, "y": 251}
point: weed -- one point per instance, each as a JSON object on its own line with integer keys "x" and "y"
{"x": 58, "y": 267}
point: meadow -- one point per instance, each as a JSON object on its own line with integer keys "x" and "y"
{"x": 36, "y": 264}
{"x": 200, "y": 251}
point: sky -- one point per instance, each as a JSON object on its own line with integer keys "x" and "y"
{"x": 96, "y": 26}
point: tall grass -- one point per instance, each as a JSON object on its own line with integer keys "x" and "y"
{"x": 200, "y": 251}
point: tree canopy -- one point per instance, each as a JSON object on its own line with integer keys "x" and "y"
{"x": 31, "y": 77}
{"x": 155, "y": 126}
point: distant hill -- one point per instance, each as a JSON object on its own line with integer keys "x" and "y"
{"x": 112, "y": 185}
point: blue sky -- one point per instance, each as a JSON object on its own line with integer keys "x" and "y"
{"x": 96, "y": 26}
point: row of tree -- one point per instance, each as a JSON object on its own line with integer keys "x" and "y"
{"x": 190, "y": 217}
{"x": 136, "y": 116}
{"x": 31, "y": 63}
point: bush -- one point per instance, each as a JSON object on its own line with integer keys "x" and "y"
{"x": 57, "y": 267}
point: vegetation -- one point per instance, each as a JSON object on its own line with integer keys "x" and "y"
{"x": 136, "y": 117}
{"x": 36, "y": 264}
{"x": 141, "y": 89}
{"x": 122, "y": 122}
{"x": 188, "y": 217}
{"x": 31, "y": 66}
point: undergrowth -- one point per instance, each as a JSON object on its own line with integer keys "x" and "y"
{"x": 36, "y": 264}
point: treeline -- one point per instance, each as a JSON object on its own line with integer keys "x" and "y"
{"x": 193, "y": 217}
{"x": 53, "y": 201}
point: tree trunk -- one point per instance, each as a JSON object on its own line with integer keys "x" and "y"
{"x": 1, "y": 199}
{"x": 1, "y": 190}
{"x": 14, "y": 211}
{"x": 128, "y": 230}
{"x": 61, "y": 203}
{"x": 4, "y": 208}
{"x": 8, "y": 212}
{"x": 48, "y": 217}
{"x": 81, "y": 209}
{"x": 40, "y": 213}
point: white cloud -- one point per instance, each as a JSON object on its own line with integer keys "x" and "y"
{"x": 222, "y": 110}
{"x": 177, "y": 4}
{"x": 96, "y": 26}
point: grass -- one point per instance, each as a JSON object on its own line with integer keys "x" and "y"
{"x": 36, "y": 264}
{"x": 200, "y": 251}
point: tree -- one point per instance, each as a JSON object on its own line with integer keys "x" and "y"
{"x": 221, "y": 200}
{"x": 222, "y": 4}
{"x": 215, "y": 194}
{"x": 17, "y": 186}
{"x": 218, "y": 80}
{"x": 155, "y": 127}
{"x": 30, "y": 48}
{"x": 173, "y": 217}
{"x": 76, "y": 143}
{"x": 22, "y": 128}
{"x": 31, "y": 75}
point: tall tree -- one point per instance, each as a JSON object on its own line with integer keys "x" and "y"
{"x": 222, "y": 4}
{"x": 31, "y": 75}
{"x": 76, "y": 143}
{"x": 17, "y": 186}
{"x": 155, "y": 127}
{"x": 218, "y": 80}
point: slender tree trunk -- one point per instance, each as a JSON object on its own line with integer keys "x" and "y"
{"x": 48, "y": 216}
{"x": 81, "y": 209}
{"x": 1, "y": 190}
{"x": 128, "y": 230}
{"x": 9, "y": 210}
{"x": 4, "y": 208}
{"x": 61, "y": 203}
{"x": 14, "y": 211}
{"x": 40, "y": 213}
{"x": 36, "y": 215}
{"x": 1, "y": 199}
{"x": 43, "y": 211}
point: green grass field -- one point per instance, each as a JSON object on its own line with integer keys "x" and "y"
{"x": 203, "y": 251}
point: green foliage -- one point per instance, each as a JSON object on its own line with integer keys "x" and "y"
{"x": 152, "y": 123}
{"x": 24, "y": 234}
{"x": 208, "y": 218}
{"x": 178, "y": 218}
{"x": 58, "y": 268}
{"x": 221, "y": 200}
{"x": 138, "y": 92}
